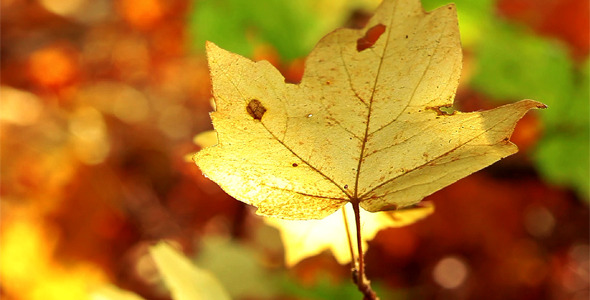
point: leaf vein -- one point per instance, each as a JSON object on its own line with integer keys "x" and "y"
{"x": 430, "y": 161}
{"x": 367, "y": 123}
{"x": 415, "y": 88}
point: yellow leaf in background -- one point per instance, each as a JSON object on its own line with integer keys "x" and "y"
{"x": 369, "y": 123}
{"x": 183, "y": 278}
{"x": 305, "y": 238}
{"x": 206, "y": 139}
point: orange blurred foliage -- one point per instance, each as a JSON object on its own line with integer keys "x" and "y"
{"x": 100, "y": 101}
{"x": 142, "y": 14}
{"x": 54, "y": 66}
{"x": 567, "y": 20}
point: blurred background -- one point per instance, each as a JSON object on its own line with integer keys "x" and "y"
{"x": 100, "y": 101}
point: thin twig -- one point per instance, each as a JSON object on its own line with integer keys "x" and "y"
{"x": 363, "y": 284}
{"x": 347, "y": 227}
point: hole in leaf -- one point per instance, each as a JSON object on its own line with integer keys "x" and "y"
{"x": 255, "y": 109}
{"x": 448, "y": 110}
{"x": 370, "y": 38}
{"x": 442, "y": 110}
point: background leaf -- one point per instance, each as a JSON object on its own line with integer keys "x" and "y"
{"x": 475, "y": 18}
{"x": 241, "y": 25}
{"x": 238, "y": 267}
{"x": 186, "y": 281}
{"x": 291, "y": 27}
{"x": 303, "y": 239}
{"x": 111, "y": 292}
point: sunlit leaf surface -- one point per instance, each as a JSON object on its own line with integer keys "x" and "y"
{"x": 368, "y": 123}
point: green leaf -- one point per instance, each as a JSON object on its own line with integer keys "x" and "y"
{"x": 185, "y": 280}
{"x": 563, "y": 159}
{"x": 577, "y": 111}
{"x": 325, "y": 288}
{"x": 475, "y": 18}
{"x": 238, "y": 267}
{"x": 240, "y": 25}
{"x": 512, "y": 63}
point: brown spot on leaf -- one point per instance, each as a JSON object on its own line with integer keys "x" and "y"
{"x": 370, "y": 38}
{"x": 442, "y": 110}
{"x": 294, "y": 164}
{"x": 255, "y": 109}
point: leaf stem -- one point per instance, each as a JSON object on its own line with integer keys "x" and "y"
{"x": 348, "y": 236}
{"x": 363, "y": 284}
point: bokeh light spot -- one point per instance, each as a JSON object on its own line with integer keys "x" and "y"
{"x": 175, "y": 122}
{"x": 539, "y": 221}
{"x": 450, "y": 272}
{"x": 130, "y": 105}
{"x": 62, "y": 8}
{"x": 85, "y": 11}
{"x": 87, "y": 124}
{"x": 89, "y": 134}
{"x": 19, "y": 107}
{"x": 145, "y": 267}
{"x": 142, "y": 14}
{"x": 53, "y": 66}
{"x": 578, "y": 278}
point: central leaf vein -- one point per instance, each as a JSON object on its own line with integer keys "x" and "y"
{"x": 367, "y": 123}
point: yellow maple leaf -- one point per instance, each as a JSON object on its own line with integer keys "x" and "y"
{"x": 366, "y": 125}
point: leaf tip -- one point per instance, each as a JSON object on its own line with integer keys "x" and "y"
{"x": 210, "y": 44}
{"x": 541, "y": 105}
{"x": 211, "y": 49}
{"x": 530, "y": 104}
